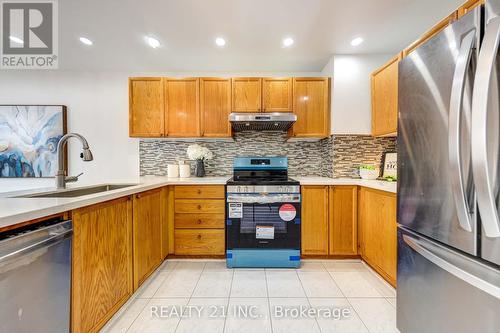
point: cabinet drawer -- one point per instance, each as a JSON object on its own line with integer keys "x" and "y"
{"x": 199, "y": 220}
{"x": 199, "y": 242}
{"x": 200, "y": 192}
{"x": 199, "y": 206}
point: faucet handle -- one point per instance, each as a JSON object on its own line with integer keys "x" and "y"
{"x": 71, "y": 179}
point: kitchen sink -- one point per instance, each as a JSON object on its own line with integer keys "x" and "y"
{"x": 78, "y": 192}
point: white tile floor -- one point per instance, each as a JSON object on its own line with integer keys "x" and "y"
{"x": 205, "y": 296}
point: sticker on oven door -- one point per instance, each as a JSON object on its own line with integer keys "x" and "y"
{"x": 287, "y": 212}
{"x": 264, "y": 232}
{"x": 235, "y": 210}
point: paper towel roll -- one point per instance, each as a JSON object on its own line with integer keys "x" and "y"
{"x": 173, "y": 171}
{"x": 184, "y": 170}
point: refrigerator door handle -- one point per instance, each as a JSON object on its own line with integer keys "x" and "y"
{"x": 437, "y": 256}
{"x": 455, "y": 116}
{"x": 483, "y": 180}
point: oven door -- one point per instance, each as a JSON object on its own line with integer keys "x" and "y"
{"x": 270, "y": 221}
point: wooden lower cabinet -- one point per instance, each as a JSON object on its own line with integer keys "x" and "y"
{"x": 343, "y": 230}
{"x": 147, "y": 233}
{"x": 199, "y": 242}
{"x": 102, "y": 263}
{"x": 378, "y": 231}
{"x": 164, "y": 221}
{"x": 198, "y": 220}
{"x": 314, "y": 221}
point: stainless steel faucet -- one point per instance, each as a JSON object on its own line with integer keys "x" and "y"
{"x": 86, "y": 155}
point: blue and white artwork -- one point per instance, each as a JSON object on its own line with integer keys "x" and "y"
{"x": 29, "y": 135}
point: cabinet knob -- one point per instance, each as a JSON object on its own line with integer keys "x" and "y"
{"x": 199, "y": 191}
{"x": 199, "y": 236}
{"x": 199, "y": 206}
{"x": 199, "y": 221}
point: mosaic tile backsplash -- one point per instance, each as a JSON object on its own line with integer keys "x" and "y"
{"x": 351, "y": 151}
{"x": 336, "y": 156}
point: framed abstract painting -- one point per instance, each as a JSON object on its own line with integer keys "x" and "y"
{"x": 29, "y": 135}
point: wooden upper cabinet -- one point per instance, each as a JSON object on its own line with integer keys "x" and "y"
{"x": 441, "y": 25}
{"x": 277, "y": 94}
{"x": 215, "y": 105}
{"x": 314, "y": 221}
{"x": 247, "y": 94}
{"x": 102, "y": 263}
{"x": 378, "y": 231}
{"x": 343, "y": 220}
{"x": 182, "y": 107}
{"x": 385, "y": 99}
{"x": 146, "y": 107}
{"x": 311, "y": 104}
{"x": 468, "y": 6}
{"x": 147, "y": 233}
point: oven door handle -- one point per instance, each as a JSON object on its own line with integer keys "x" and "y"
{"x": 264, "y": 199}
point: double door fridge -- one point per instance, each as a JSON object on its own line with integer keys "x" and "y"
{"x": 448, "y": 179}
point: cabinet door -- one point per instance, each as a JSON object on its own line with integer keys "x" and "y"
{"x": 379, "y": 231}
{"x": 215, "y": 107}
{"x": 314, "y": 227}
{"x": 437, "y": 28}
{"x": 468, "y": 6}
{"x": 146, "y": 107}
{"x": 277, "y": 94}
{"x": 147, "y": 234}
{"x": 385, "y": 99}
{"x": 311, "y": 104}
{"x": 182, "y": 107}
{"x": 246, "y": 94}
{"x": 343, "y": 220}
{"x": 102, "y": 263}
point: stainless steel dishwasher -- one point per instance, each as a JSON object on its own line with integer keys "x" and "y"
{"x": 35, "y": 277}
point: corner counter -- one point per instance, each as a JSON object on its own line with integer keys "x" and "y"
{"x": 381, "y": 185}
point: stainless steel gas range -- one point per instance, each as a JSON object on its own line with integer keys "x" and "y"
{"x": 262, "y": 214}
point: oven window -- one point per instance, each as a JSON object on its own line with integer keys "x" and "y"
{"x": 261, "y": 214}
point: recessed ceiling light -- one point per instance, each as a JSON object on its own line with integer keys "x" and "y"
{"x": 86, "y": 41}
{"x": 153, "y": 42}
{"x": 357, "y": 41}
{"x": 220, "y": 41}
{"x": 16, "y": 40}
{"x": 288, "y": 41}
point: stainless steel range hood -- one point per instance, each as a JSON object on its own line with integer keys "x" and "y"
{"x": 276, "y": 121}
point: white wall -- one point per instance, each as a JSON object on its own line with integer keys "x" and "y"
{"x": 351, "y": 95}
{"x": 98, "y": 109}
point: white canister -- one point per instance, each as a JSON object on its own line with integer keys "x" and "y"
{"x": 173, "y": 171}
{"x": 184, "y": 170}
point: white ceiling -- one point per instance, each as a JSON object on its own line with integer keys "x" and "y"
{"x": 253, "y": 30}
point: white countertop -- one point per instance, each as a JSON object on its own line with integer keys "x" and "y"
{"x": 375, "y": 184}
{"x": 17, "y": 210}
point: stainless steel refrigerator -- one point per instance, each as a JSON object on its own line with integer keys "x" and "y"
{"x": 448, "y": 179}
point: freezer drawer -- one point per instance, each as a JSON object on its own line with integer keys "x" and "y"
{"x": 440, "y": 290}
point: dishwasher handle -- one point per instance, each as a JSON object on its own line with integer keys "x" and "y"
{"x": 53, "y": 238}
